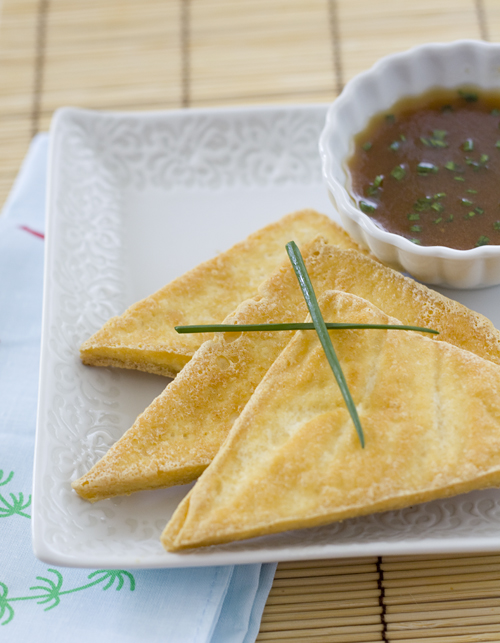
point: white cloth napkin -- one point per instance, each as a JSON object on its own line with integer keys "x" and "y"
{"x": 205, "y": 605}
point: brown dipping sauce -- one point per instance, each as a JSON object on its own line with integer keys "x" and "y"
{"x": 429, "y": 170}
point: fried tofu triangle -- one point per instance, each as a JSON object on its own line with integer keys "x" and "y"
{"x": 144, "y": 338}
{"x": 430, "y": 413}
{"x": 178, "y": 435}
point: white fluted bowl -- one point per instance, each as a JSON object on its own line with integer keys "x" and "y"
{"x": 461, "y": 63}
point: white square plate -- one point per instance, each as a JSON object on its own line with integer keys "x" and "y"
{"x": 135, "y": 200}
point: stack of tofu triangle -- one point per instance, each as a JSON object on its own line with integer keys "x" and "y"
{"x": 258, "y": 417}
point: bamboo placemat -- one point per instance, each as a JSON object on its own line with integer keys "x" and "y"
{"x": 154, "y": 54}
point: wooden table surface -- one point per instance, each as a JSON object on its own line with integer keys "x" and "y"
{"x": 162, "y": 54}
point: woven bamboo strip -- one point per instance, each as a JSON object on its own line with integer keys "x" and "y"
{"x": 408, "y": 610}
{"x": 319, "y": 622}
{"x": 290, "y": 597}
{"x": 471, "y": 637}
{"x": 289, "y": 608}
{"x": 331, "y": 562}
{"x": 445, "y": 577}
{"x": 340, "y": 634}
{"x": 433, "y": 631}
{"x": 320, "y": 588}
{"x": 464, "y": 617}
{"x": 304, "y": 614}
{"x": 344, "y": 579}
{"x": 444, "y": 587}
{"x": 403, "y": 597}
{"x": 405, "y": 564}
{"x": 329, "y": 570}
{"x": 362, "y": 637}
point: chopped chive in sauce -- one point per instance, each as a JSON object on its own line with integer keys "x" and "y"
{"x": 367, "y": 208}
{"x": 440, "y": 195}
{"x": 416, "y": 242}
{"x": 482, "y": 241}
{"x": 413, "y": 216}
{"x": 471, "y": 191}
{"x": 367, "y": 146}
{"x": 459, "y": 178}
{"x": 438, "y": 207}
{"x": 390, "y": 118}
{"x": 438, "y": 139}
{"x": 395, "y": 145}
{"x": 470, "y": 97}
{"x": 470, "y": 214}
{"x": 452, "y": 166}
{"x": 479, "y": 210}
{"x": 468, "y": 146}
{"x": 426, "y": 168}
{"x": 416, "y": 228}
{"x": 496, "y": 225}
{"x": 438, "y": 220}
{"x": 466, "y": 202}
{"x": 398, "y": 173}
{"x": 497, "y": 144}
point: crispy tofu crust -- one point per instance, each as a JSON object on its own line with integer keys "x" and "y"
{"x": 143, "y": 337}
{"x": 179, "y": 434}
{"x": 430, "y": 413}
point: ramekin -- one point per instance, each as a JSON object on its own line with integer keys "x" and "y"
{"x": 448, "y": 65}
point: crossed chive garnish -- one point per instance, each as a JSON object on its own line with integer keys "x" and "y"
{"x": 318, "y": 324}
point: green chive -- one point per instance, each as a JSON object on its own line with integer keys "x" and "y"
{"x": 471, "y": 191}
{"x": 453, "y": 167}
{"x": 324, "y": 337}
{"x": 426, "y": 168}
{"x": 367, "y": 146}
{"x": 402, "y": 137}
{"x": 413, "y": 216}
{"x": 468, "y": 146}
{"x": 470, "y": 97}
{"x": 479, "y": 210}
{"x": 440, "y": 195}
{"x": 470, "y": 214}
{"x": 438, "y": 207}
{"x": 450, "y": 218}
{"x": 421, "y": 205}
{"x": 238, "y": 328}
{"x": 398, "y": 172}
{"x": 482, "y": 241}
{"x": 466, "y": 202}
{"x": 366, "y": 207}
{"x": 438, "y": 220}
{"x": 496, "y": 225}
{"x": 390, "y": 118}
{"x": 459, "y": 178}
{"x": 417, "y": 242}
{"x": 440, "y": 134}
{"x": 395, "y": 145}
{"x": 484, "y": 158}
{"x": 416, "y": 228}
{"x": 497, "y": 144}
